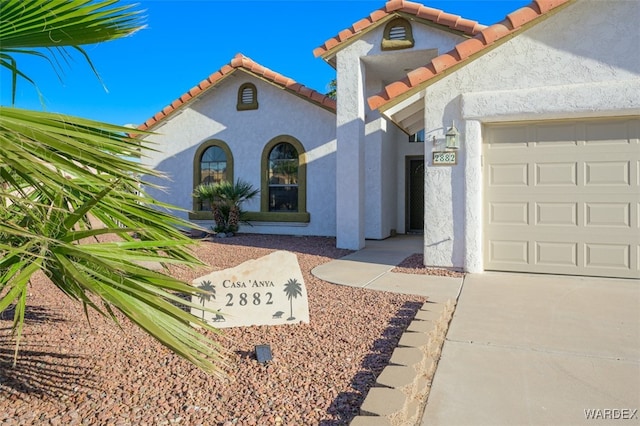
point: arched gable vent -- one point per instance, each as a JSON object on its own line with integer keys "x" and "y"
{"x": 397, "y": 35}
{"x": 247, "y": 97}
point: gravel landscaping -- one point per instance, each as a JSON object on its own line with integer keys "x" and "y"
{"x": 414, "y": 264}
{"x": 70, "y": 372}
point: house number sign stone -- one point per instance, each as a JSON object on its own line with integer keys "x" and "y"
{"x": 265, "y": 291}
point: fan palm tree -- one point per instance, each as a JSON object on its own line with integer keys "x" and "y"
{"x": 233, "y": 196}
{"x": 61, "y": 175}
{"x": 207, "y": 192}
{"x": 226, "y": 200}
{"x": 293, "y": 289}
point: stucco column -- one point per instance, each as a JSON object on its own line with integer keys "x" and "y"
{"x": 350, "y": 155}
{"x": 444, "y": 206}
{"x": 473, "y": 221}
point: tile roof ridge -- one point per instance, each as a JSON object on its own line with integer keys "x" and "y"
{"x": 486, "y": 38}
{"x": 437, "y": 16}
{"x": 240, "y": 61}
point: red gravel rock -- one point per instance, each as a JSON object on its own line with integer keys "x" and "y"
{"x": 414, "y": 264}
{"x": 68, "y": 371}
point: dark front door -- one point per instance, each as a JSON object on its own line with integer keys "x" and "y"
{"x": 415, "y": 195}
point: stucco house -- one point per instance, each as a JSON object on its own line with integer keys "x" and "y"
{"x": 511, "y": 147}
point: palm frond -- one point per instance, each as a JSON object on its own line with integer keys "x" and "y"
{"x": 66, "y": 180}
{"x": 62, "y": 23}
{"x": 48, "y": 28}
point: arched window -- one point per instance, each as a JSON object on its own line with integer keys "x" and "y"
{"x": 397, "y": 35}
{"x": 284, "y": 171}
{"x": 247, "y": 97}
{"x": 212, "y": 163}
{"x": 283, "y": 178}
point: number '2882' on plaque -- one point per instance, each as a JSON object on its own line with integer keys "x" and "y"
{"x": 445, "y": 158}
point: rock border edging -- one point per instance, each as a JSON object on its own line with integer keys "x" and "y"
{"x": 402, "y": 388}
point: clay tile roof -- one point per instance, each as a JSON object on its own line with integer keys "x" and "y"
{"x": 393, "y": 5}
{"x": 448, "y": 20}
{"x": 452, "y": 22}
{"x": 461, "y": 53}
{"x": 494, "y": 32}
{"x": 240, "y": 62}
{"x": 419, "y": 75}
{"x": 522, "y": 16}
{"x": 468, "y": 48}
{"x": 445, "y": 61}
{"x": 429, "y": 13}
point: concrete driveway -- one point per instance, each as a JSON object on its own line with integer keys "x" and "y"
{"x": 538, "y": 349}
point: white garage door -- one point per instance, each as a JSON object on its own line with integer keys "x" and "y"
{"x": 563, "y": 197}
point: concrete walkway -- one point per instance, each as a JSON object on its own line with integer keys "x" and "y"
{"x": 522, "y": 349}
{"x": 371, "y": 268}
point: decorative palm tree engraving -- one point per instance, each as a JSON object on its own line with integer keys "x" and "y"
{"x": 293, "y": 289}
{"x": 205, "y": 297}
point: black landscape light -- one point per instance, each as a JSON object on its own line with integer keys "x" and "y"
{"x": 263, "y": 353}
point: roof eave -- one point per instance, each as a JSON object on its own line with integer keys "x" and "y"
{"x": 411, "y": 122}
{"x": 239, "y": 63}
{"x": 329, "y": 55}
{"x": 178, "y": 108}
{"x": 385, "y": 105}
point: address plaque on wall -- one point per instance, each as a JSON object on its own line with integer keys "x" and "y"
{"x": 445, "y": 158}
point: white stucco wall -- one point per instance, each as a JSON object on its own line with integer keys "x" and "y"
{"x": 214, "y": 116}
{"x": 580, "y": 62}
{"x": 372, "y": 151}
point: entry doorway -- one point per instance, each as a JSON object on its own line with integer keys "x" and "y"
{"x": 414, "y": 220}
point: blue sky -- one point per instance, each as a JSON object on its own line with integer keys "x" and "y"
{"x": 185, "y": 41}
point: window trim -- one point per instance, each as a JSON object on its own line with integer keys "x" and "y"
{"x": 244, "y": 106}
{"x": 197, "y": 159}
{"x": 265, "y": 215}
{"x": 389, "y": 44}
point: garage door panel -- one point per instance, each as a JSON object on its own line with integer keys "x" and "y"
{"x": 556, "y": 174}
{"x": 509, "y": 175}
{"x": 557, "y": 253}
{"x": 510, "y": 137}
{"x": 514, "y": 253}
{"x": 562, "y": 257}
{"x": 608, "y": 134}
{"x": 610, "y": 256}
{"x": 554, "y": 135}
{"x": 516, "y": 213}
{"x": 608, "y": 215}
{"x": 564, "y": 198}
{"x": 606, "y": 173}
{"x": 557, "y": 214}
